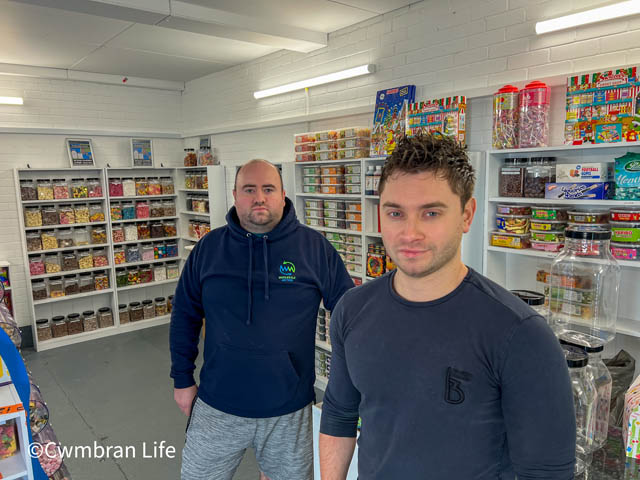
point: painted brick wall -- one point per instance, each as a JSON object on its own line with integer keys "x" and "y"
{"x": 441, "y": 46}
{"x": 88, "y": 106}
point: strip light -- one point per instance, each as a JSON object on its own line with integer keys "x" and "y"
{"x": 321, "y": 80}
{"x": 631, "y": 7}
{"x": 11, "y": 100}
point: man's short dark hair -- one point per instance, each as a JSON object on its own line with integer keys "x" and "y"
{"x": 257, "y": 160}
{"x": 434, "y": 153}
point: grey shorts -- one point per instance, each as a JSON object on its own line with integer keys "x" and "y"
{"x": 217, "y": 441}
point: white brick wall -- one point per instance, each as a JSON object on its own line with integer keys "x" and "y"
{"x": 442, "y": 47}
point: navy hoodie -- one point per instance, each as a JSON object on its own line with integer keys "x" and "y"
{"x": 260, "y": 297}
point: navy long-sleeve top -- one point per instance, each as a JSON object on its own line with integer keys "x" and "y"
{"x": 473, "y": 385}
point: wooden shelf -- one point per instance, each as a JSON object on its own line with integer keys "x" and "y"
{"x": 69, "y": 249}
{"x": 146, "y": 240}
{"x": 69, "y": 272}
{"x": 63, "y": 200}
{"x": 549, "y": 201}
{"x": 72, "y": 297}
{"x": 66, "y": 225}
{"x": 150, "y": 219}
{"x": 148, "y": 284}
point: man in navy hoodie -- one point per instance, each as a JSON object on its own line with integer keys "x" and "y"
{"x": 258, "y": 282}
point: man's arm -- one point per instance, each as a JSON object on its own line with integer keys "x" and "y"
{"x": 339, "y": 421}
{"x": 537, "y": 403}
{"x": 184, "y": 332}
{"x": 335, "y": 456}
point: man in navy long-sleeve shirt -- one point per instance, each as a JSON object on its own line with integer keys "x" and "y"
{"x": 453, "y": 377}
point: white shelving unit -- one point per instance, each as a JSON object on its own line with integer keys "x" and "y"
{"x": 472, "y": 242}
{"x": 111, "y": 297}
{"x": 516, "y": 269}
{"x": 18, "y": 466}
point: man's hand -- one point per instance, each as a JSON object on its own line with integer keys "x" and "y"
{"x": 184, "y": 398}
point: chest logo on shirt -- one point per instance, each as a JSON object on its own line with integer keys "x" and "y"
{"x": 453, "y": 386}
{"x": 287, "y": 272}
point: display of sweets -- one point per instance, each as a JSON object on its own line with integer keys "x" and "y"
{"x": 505, "y": 118}
{"x": 390, "y": 118}
{"x": 603, "y": 107}
{"x": 533, "y": 115}
{"x": 378, "y": 262}
{"x": 443, "y": 115}
{"x": 627, "y": 177}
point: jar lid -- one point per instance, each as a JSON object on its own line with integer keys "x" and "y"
{"x": 587, "y": 234}
{"x": 159, "y": 299}
{"x": 70, "y": 276}
{"x": 85, "y": 274}
{"x": 42, "y": 321}
{"x": 58, "y": 318}
{"x": 579, "y": 340}
{"x": 147, "y": 302}
{"x": 576, "y": 357}
{"x": 508, "y": 89}
{"x": 99, "y": 272}
{"x": 120, "y": 269}
{"x": 73, "y": 316}
{"x": 104, "y": 309}
{"x": 65, "y": 230}
{"x": 55, "y": 279}
{"x": 122, "y": 305}
{"x": 77, "y": 179}
{"x": 127, "y": 178}
{"x": 93, "y": 178}
{"x": 95, "y": 203}
{"x": 165, "y": 178}
{"x": 88, "y": 313}
{"x": 43, "y": 180}
{"x": 114, "y": 178}
{"x": 536, "y": 84}
{"x": 57, "y": 180}
{"x": 134, "y": 304}
{"x": 170, "y": 297}
{"x": 529, "y": 297}
{"x": 25, "y": 180}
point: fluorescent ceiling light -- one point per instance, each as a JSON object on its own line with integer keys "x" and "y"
{"x": 312, "y": 82}
{"x": 11, "y": 100}
{"x": 601, "y": 14}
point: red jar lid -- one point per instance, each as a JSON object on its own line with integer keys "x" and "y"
{"x": 508, "y": 89}
{"x": 536, "y": 84}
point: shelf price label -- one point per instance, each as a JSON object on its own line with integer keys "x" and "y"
{"x": 7, "y": 409}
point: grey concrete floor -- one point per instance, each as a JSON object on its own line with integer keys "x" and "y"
{"x": 117, "y": 391}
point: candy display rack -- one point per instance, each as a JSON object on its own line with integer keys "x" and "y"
{"x": 515, "y": 269}
{"x": 17, "y": 466}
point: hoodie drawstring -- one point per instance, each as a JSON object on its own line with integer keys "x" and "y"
{"x": 266, "y": 267}
{"x": 249, "y": 276}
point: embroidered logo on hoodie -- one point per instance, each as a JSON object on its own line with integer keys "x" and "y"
{"x": 287, "y": 272}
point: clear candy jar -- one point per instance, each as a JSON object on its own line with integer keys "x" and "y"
{"x": 599, "y": 374}
{"x": 585, "y": 280}
{"x": 505, "y": 117}
{"x": 584, "y": 401}
{"x": 533, "y": 115}
{"x": 541, "y": 171}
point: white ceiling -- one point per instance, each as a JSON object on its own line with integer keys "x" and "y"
{"x": 176, "y": 40}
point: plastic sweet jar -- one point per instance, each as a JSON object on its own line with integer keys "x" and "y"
{"x": 511, "y": 179}
{"x": 105, "y": 317}
{"x": 85, "y": 282}
{"x": 599, "y": 374}
{"x": 148, "y": 309}
{"x": 123, "y": 313}
{"x": 89, "y": 321}
{"x": 43, "y": 330}
{"x": 135, "y": 310}
{"x": 161, "y": 307}
{"x": 584, "y": 402}
{"x": 533, "y": 115}
{"x": 585, "y": 281}
{"x": 122, "y": 277}
{"x": 505, "y": 118}
{"x": 94, "y": 187}
{"x": 541, "y": 171}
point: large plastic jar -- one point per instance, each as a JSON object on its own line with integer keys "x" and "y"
{"x": 541, "y": 171}
{"x": 505, "y": 118}
{"x": 511, "y": 180}
{"x": 585, "y": 280}
{"x": 533, "y": 116}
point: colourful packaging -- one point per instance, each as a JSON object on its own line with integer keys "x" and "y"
{"x": 631, "y": 418}
{"x": 390, "y": 118}
{"x": 625, "y": 251}
{"x": 579, "y": 191}
{"x": 443, "y": 115}
{"x": 603, "y": 107}
{"x": 627, "y": 176}
{"x": 584, "y": 172}
{"x": 625, "y": 232}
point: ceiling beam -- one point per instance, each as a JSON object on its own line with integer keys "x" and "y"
{"x": 192, "y": 18}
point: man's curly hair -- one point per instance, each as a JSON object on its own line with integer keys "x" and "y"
{"x": 434, "y": 153}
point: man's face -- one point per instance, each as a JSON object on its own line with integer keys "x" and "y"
{"x": 259, "y": 197}
{"x": 422, "y": 222}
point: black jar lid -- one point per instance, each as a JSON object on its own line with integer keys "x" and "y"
{"x": 587, "y": 234}
{"x": 576, "y": 357}
{"x": 88, "y": 313}
{"x": 73, "y": 316}
{"x": 121, "y": 306}
{"x": 581, "y": 341}
{"x": 147, "y": 302}
{"x": 104, "y": 309}
{"x": 58, "y": 318}
{"x": 159, "y": 299}
{"x": 42, "y": 321}
{"x": 134, "y": 304}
